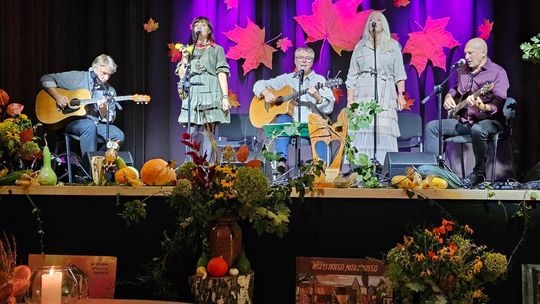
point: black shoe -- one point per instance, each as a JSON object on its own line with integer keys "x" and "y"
{"x": 472, "y": 180}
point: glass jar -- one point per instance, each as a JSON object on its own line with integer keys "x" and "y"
{"x": 53, "y": 285}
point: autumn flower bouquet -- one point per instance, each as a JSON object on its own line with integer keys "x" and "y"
{"x": 442, "y": 265}
{"x": 16, "y": 134}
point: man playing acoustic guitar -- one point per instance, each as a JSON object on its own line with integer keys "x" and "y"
{"x": 322, "y": 99}
{"x": 483, "y": 115}
{"x": 93, "y": 125}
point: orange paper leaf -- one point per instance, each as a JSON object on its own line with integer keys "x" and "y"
{"x": 409, "y": 103}
{"x": 150, "y": 25}
{"x": 254, "y": 163}
{"x": 283, "y": 44}
{"x": 398, "y": 3}
{"x": 233, "y": 99}
{"x": 242, "y": 154}
{"x": 485, "y": 29}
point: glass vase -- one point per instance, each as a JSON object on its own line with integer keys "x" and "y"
{"x": 226, "y": 240}
{"x": 53, "y": 285}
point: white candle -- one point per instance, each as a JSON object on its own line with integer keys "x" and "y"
{"x": 51, "y": 287}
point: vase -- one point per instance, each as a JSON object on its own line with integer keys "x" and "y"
{"x": 226, "y": 240}
{"x": 53, "y": 285}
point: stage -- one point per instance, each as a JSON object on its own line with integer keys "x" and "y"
{"x": 344, "y": 223}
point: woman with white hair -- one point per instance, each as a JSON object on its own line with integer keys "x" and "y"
{"x": 390, "y": 85}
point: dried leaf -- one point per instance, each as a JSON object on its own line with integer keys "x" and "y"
{"x": 233, "y": 99}
{"x": 150, "y": 25}
{"x": 410, "y": 102}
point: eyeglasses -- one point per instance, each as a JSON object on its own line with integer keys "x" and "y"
{"x": 300, "y": 58}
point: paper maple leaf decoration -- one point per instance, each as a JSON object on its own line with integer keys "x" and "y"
{"x": 283, "y": 44}
{"x": 395, "y": 36}
{"x": 150, "y": 25}
{"x": 338, "y": 23}
{"x": 485, "y": 29}
{"x": 410, "y": 102}
{"x": 250, "y": 46}
{"x": 174, "y": 53}
{"x": 231, "y": 4}
{"x": 233, "y": 99}
{"x": 428, "y": 44}
{"x": 338, "y": 92}
{"x": 398, "y": 3}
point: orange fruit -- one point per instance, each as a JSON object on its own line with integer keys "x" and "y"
{"x": 217, "y": 267}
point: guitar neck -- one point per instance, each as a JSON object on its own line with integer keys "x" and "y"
{"x": 84, "y": 102}
{"x": 300, "y": 93}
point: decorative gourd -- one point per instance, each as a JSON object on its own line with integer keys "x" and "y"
{"x": 401, "y": 182}
{"x": 46, "y": 173}
{"x": 242, "y": 264}
{"x": 157, "y": 172}
{"x": 124, "y": 173}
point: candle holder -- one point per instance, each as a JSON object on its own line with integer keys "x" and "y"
{"x": 53, "y": 285}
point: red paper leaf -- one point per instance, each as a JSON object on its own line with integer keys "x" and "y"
{"x": 4, "y": 98}
{"x": 14, "y": 109}
{"x": 150, "y": 25}
{"x": 428, "y": 44}
{"x": 231, "y": 4}
{"x": 283, "y": 44}
{"x": 398, "y": 3}
{"x": 340, "y": 24}
{"x": 250, "y": 46}
{"x": 485, "y": 29}
{"x": 410, "y": 102}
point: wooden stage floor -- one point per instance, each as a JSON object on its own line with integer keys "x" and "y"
{"x": 446, "y": 194}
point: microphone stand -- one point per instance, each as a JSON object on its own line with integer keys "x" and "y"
{"x": 297, "y": 146}
{"x": 437, "y": 89}
{"x": 185, "y": 85}
{"x": 375, "y": 74}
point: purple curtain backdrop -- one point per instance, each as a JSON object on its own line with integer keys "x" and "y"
{"x": 276, "y": 17}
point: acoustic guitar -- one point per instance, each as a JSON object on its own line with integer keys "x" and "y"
{"x": 456, "y": 111}
{"x": 261, "y": 112}
{"x": 49, "y": 113}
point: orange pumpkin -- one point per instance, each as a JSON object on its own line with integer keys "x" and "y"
{"x": 157, "y": 172}
{"x": 122, "y": 176}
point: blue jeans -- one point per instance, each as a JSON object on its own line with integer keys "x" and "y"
{"x": 282, "y": 143}
{"x": 88, "y": 132}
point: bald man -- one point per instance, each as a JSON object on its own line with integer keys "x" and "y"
{"x": 483, "y": 116}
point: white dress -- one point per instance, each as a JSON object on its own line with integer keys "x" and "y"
{"x": 359, "y": 79}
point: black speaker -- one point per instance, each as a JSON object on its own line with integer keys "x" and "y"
{"x": 125, "y": 155}
{"x": 396, "y": 162}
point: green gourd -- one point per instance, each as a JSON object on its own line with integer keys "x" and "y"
{"x": 203, "y": 260}
{"x": 242, "y": 264}
{"x": 46, "y": 174}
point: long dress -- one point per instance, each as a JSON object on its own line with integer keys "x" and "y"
{"x": 390, "y": 71}
{"x": 206, "y": 99}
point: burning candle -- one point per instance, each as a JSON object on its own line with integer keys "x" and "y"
{"x": 51, "y": 287}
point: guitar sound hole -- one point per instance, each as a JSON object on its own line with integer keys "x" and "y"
{"x": 279, "y": 101}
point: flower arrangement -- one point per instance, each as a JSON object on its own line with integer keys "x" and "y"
{"x": 442, "y": 265}
{"x": 17, "y": 141}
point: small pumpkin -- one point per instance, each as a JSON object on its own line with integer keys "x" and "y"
{"x": 124, "y": 172}
{"x": 157, "y": 172}
{"x": 217, "y": 267}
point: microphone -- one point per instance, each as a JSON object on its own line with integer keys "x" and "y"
{"x": 373, "y": 24}
{"x": 197, "y": 32}
{"x": 459, "y": 63}
{"x": 299, "y": 74}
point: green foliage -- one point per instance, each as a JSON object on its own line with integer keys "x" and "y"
{"x": 134, "y": 212}
{"x": 361, "y": 115}
{"x": 362, "y": 165}
{"x": 531, "y": 50}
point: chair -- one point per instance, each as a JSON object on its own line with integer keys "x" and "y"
{"x": 509, "y": 112}
{"x": 238, "y": 132}
{"x": 72, "y": 158}
{"x": 410, "y": 128}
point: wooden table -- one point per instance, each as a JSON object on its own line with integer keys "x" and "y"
{"x": 124, "y": 301}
